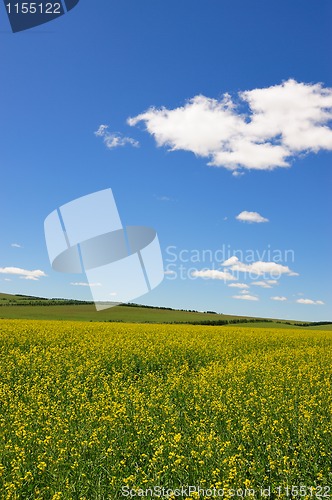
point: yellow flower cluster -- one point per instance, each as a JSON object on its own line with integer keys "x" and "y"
{"x": 88, "y": 408}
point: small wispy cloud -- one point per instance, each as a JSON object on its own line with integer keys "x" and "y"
{"x": 262, "y": 284}
{"x": 231, "y": 261}
{"x": 251, "y": 217}
{"x": 163, "y": 198}
{"x": 102, "y": 130}
{"x": 213, "y": 274}
{"x": 169, "y": 272}
{"x": 16, "y": 245}
{"x": 82, "y": 283}
{"x": 245, "y": 297}
{"x": 239, "y": 285}
{"x": 23, "y": 273}
{"x": 114, "y": 139}
{"x": 279, "y": 298}
{"x": 310, "y": 302}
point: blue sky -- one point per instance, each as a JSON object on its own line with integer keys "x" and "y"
{"x": 105, "y": 62}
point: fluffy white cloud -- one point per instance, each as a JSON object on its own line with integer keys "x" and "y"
{"x": 251, "y": 217}
{"x": 213, "y": 274}
{"x": 239, "y": 285}
{"x": 272, "y": 282}
{"x": 260, "y": 129}
{"x": 16, "y": 245}
{"x": 245, "y": 297}
{"x": 263, "y": 284}
{"x": 23, "y": 273}
{"x": 278, "y": 298}
{"x": 258, "y": 268}
{"x": 309, "y": 301}
{"x": 114, "y": 139}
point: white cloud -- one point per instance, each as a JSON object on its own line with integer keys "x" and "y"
{"x": 239, "y": 285}
{"x": 278, "y": 298}
{"x": 229, "y": 262}
{"x": 260, "y": 129}
{"x": 23, "y": 273}
{"x": 169, "y": 272}
{"x": 263, "y": 284}
{"x": 85, "y": 284}
{"x": 309, "y": 301}
{"x": 213, "y": 274}
{"x": 114, "y": 139}
{"x": 101, "y": 131}
{"x": 272, "y": 282}
{"x": 163, "y": 198}
{"x": 16, "y": 245}
{"x": 245, "y": 297}
{"x": 251, "y": 217}
{"x": 258, "y": 268}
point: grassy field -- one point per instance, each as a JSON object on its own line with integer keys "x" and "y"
{"x": 20, "y": 307}
{"x": 90, "y": 408}
{"x": 12, "y": 306}
{"x": 88, "y": 313}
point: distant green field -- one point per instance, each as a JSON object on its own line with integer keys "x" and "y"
{"x": 23, "y": 307}
{"x": 321, "y": 327}
{"x": 119, "y": 313}
{"x": 87, "y": 312}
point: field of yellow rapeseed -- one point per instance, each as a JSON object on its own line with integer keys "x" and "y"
{"x": 88, "y": 408}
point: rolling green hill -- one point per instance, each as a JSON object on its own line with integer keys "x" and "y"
{"x": 26, "y": 307}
